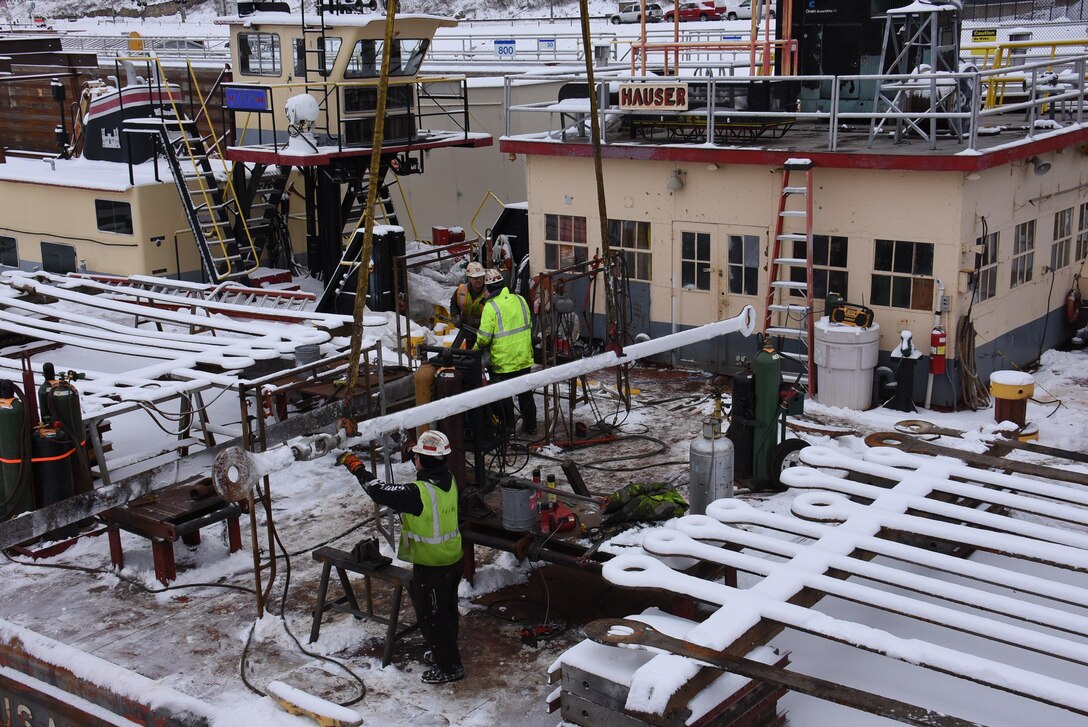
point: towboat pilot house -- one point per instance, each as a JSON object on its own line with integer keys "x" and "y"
{"x": 229, "y": 181}
{"x": 926, "y": 180}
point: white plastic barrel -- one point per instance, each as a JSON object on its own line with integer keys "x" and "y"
{"x": 845, "y": 358}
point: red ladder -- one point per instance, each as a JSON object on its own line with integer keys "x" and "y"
{"x": 782, "y": 317}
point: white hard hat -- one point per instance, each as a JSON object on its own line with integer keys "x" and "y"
{"x": 475, "y": 270}
{"x": 494, "y": 276}
{"x": 432, "y": 443}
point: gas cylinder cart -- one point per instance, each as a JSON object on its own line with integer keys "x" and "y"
{"x": 761, "y": 403}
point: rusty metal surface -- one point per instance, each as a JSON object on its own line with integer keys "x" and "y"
{"x": 628, "y": 632}
{"x": 920, "y": 426}
{"x": 908, "y": 443}
{"x": 170, "y": 513}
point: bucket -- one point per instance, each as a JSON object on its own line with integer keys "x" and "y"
{"x": 517, "y": 513}
{"x": 307, "y": 353}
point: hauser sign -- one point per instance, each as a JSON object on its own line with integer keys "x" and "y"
{"x": 671, "y": 96}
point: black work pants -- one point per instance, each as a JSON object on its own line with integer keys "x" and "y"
{"x": 434, "y": 596}
{"x": 526, "y": 402}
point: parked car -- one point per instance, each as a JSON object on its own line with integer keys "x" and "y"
{"x": 693, "y": 11}
{"x": 743, "y": 10}
{"x": 632, "y": 13}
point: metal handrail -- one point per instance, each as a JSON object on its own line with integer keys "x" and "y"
{"x": 1040, "y": 98}
{"x": 333, "y": 89}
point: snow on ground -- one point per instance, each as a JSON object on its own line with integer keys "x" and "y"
{"x": 209, "y": 614}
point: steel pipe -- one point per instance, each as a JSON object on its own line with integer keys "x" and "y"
{"x": 371, "y": 429}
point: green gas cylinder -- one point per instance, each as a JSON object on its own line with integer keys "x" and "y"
{"x": 58, "y": 400}
{"x": 49, "y": 380}
{"x": 16, "y": 494}
{"x": 768, "y": 380}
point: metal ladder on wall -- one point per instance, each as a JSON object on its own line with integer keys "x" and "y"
{"x": 213, "y": 213}
{"x": 223, "y": 239}
{"x": 790, "y": 275}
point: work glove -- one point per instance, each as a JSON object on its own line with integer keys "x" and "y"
{"x": 355, "y": 466}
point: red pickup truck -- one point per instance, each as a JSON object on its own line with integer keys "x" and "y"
{"x": 693, "y": 11}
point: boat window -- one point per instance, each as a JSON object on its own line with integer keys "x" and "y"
{"x": 902, "y": 273}
{"x": 1082, "y": 233}
{"x": 829, "y": 254}
{"x": 259, "y": 54}
{"x": 9, "y": 252}
{"x": 632, "y": 238}
{"x": 332, "y": 47}
{"x": 405, "y": 56}
{"x": 744, "y": 264}
{"x": 695, "y": 260}
{"x": 564, "y": 241}
{"x": 58, "y": 258}
{"x": 113, "y": 216}
{"x": 1063, "y": 239}
{"x": 1023, "y": 254}
{"x": 986, "y": 262}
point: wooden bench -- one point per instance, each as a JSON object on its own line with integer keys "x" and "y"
{"x": 176, "y": 512}
{"x": 344, "y": 561}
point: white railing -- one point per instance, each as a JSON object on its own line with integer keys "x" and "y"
{"x": 1047, "y": 90}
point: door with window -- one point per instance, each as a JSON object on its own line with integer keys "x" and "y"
{"x": 696, "y": 274}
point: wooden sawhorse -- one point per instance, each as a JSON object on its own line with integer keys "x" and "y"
{"x": 344, "y": 561}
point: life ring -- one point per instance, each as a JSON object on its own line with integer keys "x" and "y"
{"x": 1072, "y": 305}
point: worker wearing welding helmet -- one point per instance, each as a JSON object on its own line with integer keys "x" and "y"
{"x": 506, "y": 332}
{"x": 430, "y": 539}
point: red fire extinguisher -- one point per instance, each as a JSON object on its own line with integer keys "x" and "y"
{"x": 938, "y": 341}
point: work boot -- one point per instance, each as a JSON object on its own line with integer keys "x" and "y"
{"x": 437, "y": 676}
{"x": 428, "y": 657}
{"x": 529, "y": 428}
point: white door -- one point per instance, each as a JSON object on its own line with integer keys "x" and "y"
{"x": 696, "y": 275}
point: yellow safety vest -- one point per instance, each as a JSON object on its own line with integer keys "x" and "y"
{"x": 470, "y": 307}
{"x": 432, "y": 537}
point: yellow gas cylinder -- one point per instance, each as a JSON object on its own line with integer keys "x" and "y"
{"x": 1011, "y": 391}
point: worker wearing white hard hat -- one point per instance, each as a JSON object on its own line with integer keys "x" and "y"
{"x": 430, "y": 539}
{"x": 467, "y": 302}
{"x": 506, "y": 332}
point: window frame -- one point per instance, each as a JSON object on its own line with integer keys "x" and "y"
{"x": 576, "y": 248}
{"x": 694, "y": 260}
{"x": 5, "y": 249}
{"x": 625, "y": 237}
{"x": 401, "y": 63}
{"x": 1062, "y": 240}
{"x": 822, "y": 269}
{"x": 742, "y": 278}
{"x": 1082, "y": 232}
{"x": 917, "y": 282}
{"x": 245, "y": 59}
{"x": 987, "y": 265}
{"x": 116, "y": 223}
{"x": 1023, "y": 254}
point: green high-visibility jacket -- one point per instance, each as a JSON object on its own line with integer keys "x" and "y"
{"x": 432, "y": 537}
{"x": 506, "y": 328}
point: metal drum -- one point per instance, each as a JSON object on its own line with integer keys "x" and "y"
{"x": 517, "y": 510}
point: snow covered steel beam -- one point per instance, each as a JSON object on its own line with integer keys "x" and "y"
{"x": 273, "y": 460}
{"x": 370, "y": 429}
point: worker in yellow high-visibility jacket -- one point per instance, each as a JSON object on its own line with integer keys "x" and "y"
{"x": 506, "y": 331}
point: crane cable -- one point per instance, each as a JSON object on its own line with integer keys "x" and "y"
{"x": 614, "y": 340}
{"x": 363, "y": 278}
